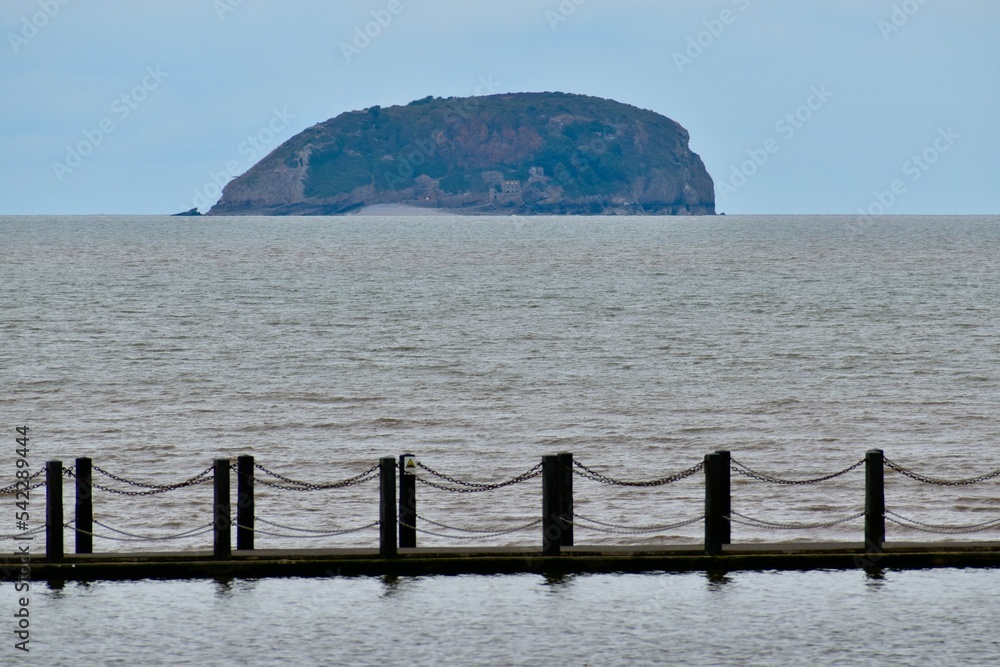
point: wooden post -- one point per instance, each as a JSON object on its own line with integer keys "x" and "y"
{"x": 566, "y": 497}
{"x": 717, "y": 502}
{"x": 245, "y": 512}
{"x": 725, "y": 474}
{"x": 223, "y": 515}
{"x": 387, "y": 507}
{"x": 84, "y": 506}
{"x": 874, "y": 500}
{"x": 53, "y": 511}
{"x": 551, "y": 511}
{"x": 407, "y": 505}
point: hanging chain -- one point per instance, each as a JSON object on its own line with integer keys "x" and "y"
{"x": 297, "y": 485}
{"x": 462, "y": 486}
{"x": 745, "y": 520}
{"x": 771, "y": 479}
{"x": 592, "y": 474}
{"x": 200, "y": 478}
{"x": 941, "y": 482}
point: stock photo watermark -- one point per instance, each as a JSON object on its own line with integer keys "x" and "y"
{"x": 224, "y": 7}
{"x": 714, "y": 29}
{"x": 364, "y": 35}
{"x": 913, "y": 169}
{"x": 423, "y": 150}
{"x": 122, "y": 107}
{"x": 22, "y": 517}
{"x": 251, "y": 149}
{"x": 787, "y": 126}
{"x": 31, "y": 25}
{"x": 562, "y": 12}
{"x": 900, "y": 16}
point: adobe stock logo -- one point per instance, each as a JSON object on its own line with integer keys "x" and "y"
{"x": 900, "y": 16}
{"x": 562, "y": 13}
{"x": 223, "y": 7}
{"x": 914, "y": 168}
{"x": 122, "y": 107}
{"x": 37, "y": 21}
{"x": 787, "y": 126}
{"x": 372, "y": 29}
{"x": 252, "y": 149}
{"x": 714, "y": 29}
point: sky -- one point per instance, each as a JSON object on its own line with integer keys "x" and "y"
{"x": 795, "y": 106}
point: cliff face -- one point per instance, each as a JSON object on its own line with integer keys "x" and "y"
{"x": 525, "y": 153}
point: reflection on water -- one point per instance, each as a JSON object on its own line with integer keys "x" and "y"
{"x": 928, "y": 617}
{"x": 717, "y": 580}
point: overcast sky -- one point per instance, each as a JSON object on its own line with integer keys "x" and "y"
{"x": 796, "y": 106}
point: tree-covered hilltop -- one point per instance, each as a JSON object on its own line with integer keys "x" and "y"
{"x": 547, "y": 153}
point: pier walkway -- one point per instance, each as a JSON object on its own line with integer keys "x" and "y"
{"x": 399, "y": 523}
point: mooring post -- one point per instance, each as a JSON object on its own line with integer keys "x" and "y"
{"x": 552, "y": 529}
{"x": 223, "y": 516}
{"x": 717, "y": 502}
{"x": 566, "y": 497}
{"x": 874, "y": 500}
{"x": 53, "y": 511}
{"x": 726, "y": 498}
{"x": 84, "y": 506}
{"x": 407, "y": 503}
{"x": 245, "y": 513}
{"x": 387, "y": 507}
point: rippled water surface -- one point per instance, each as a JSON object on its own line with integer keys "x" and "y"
{"x": 154, "y": 345}
{"x": 930, "y": 618}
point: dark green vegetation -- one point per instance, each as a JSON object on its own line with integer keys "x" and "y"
{"x": 524, "y": 152}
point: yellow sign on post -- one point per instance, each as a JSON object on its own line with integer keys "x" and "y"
{"x": 410, "y": 464}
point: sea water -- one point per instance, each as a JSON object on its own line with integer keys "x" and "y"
{"x": 155, "y": 345}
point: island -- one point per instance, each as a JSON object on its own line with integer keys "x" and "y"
{"x": 507, "y": 154}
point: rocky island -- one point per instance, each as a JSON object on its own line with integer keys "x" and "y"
{"x": 518, "y": 153}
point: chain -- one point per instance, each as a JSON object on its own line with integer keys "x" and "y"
{"x": 37, "y": 485}
{"x": 631, "y": 530}
{"x": 200, "y": 478}
{"x": 771, "y": 479}
{"x": 475, "y": 487}
{"x": 33, "y": 531}
{"x": 150, "y": 492}
{"x": 297, "y": 485}
{"x": 313, "y": 534}
{"x": 591, "y": 474}
{"x": 941, "y": 482}
{"x": 745, "y": 520}
{"x": 941, "y": 528}
{"x": 13, "y": 487}
{"x": 132, "y": 537}
{"x": 477, "y": 536}
{"x": 475, "y": 530}
{"x": 293, "y": 528}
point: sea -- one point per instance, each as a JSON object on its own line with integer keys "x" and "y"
{"x": 155, "y": 345}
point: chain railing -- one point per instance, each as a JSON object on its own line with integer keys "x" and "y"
{"x": 11, "y": 489}
{"x": 591, "y": 474}
{"x": 134, "y": 537}
{"x": 940, "y": 529}
{"x": 746, "y": 471}
{"x": 150, "y": 489}
{"x": 743, "y": 519}
{"x": 557, "y": 483}
{"x": 941, "y": 482}
{"x": 468, "y": 533}
{"x": 290, "y": 484}
{"x": 304, "y": 533}
{"x": 462, "y": 486}
{"x": 618, "y": 529}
